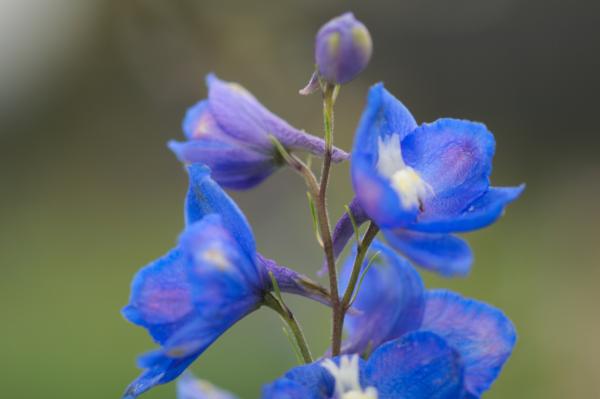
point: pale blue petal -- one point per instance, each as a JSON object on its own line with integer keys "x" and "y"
{"x": 445, "y": 254}
{"x": 480, "y": 213}
{"x": 420, "y": 365}
{"x": 482, "y": 335}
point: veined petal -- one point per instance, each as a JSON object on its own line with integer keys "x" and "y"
{"x": 243, "y": 117}
{"x": 445, "y": 254}
{"x": 217, "y": 262}
{"x": 233, "y": 165}
{"x": 420, "y": 365}
{"x": 383, "y": 117}
{"x": 160, "y": 369}
{"x": 390, "y": 301}
{"x": 312, "y": 381}
{"x": 205, "y": 197}
{"x": 161, "y": 296}
{"x": 285, "y": 388}
{"x": 190, "y": 298}
{"x": 482, "y": 335}
{"x": 480, "y": 213}
{"x": 189, "y": 387}
{"x": 455, "y": 158}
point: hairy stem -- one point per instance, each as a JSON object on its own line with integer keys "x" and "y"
{"x": 287, "y": 315}
{"x": 323, "y": 217}
{"x": 361, "y": 253}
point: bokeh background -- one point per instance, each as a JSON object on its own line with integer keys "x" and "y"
{"x": 90, "y": 92}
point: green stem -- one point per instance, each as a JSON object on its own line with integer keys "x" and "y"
{"x": 361, "y": 253}
{"x": 323, "y": 217}
{"x": 287, "y": 315}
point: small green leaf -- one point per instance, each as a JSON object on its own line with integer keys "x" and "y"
{"x": 362, "y": 277}
{"x": 354, "y": 225}
{"x": 313, "y": 213}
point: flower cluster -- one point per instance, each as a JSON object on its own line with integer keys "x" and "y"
{"x": 416, "y": 184}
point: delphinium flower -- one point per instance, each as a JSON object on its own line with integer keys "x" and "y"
{"x": 417, "y": 184}
{"x": 208, "y": 282}
{"x": 417, "y": 343}
{"x": 422, "y": 183}
{"x": 231, "y": 131}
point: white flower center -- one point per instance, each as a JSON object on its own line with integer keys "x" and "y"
{"x": 405, "y": 181}
{"x": 347, "y": 384}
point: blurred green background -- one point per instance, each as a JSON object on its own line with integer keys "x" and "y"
{"x": 90, "y": 92}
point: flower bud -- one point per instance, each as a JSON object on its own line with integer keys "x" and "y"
{"x": 343, "y": 49}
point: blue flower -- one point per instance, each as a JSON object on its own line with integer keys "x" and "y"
{"x": 343, "y": 49}
{"x": 230, "y": 133}
{"x": 189, "y": 387}
{"x": 208, "y": 282}
{"x": 392, "y": 302}
{"x": 420, "y": 365}
{"x": 418, "y": 344}
{"x": 421, "y": 184}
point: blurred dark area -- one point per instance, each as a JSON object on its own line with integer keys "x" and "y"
{"x": 91, "y": 91}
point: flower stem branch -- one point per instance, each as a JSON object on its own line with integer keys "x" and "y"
{"x": 323, "y": 217}
{"x": 288, "y": 317}
{"x": 361, "y": 253}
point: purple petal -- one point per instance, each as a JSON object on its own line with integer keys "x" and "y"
{"x": 419, "y": 365}
{"x": 344, "y": 230}
{"x": 232, "y": 165}
{"x": 445, "y": 254}
{"x": 482, "y": 335}
{"x": 343, "y": 49}
{"x": 240, "y": 114}
{"x": 293, "y": 282}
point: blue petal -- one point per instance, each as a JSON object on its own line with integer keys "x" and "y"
{"x": 455, "y": 158}
{"x": 189, "y": 298}
{"x": 480, "y": 213}
{"x": 311, "y": 380}
{"x": 225, "y": 286}
{"x": 189, "y": 387}
{"x": 420, "y": 365}
{"x": 390, "y": 301}
{"x": 383, "y": 116}
{"x": 244, "y": 118}
{"x": 482, "y": 335}
{"x": 160, "y": 370}
{"x": 161, "y": 296}
{"x": 205, "y": 196}
{"x": 445, "y": 254}
{"x": 285, "y": 388}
